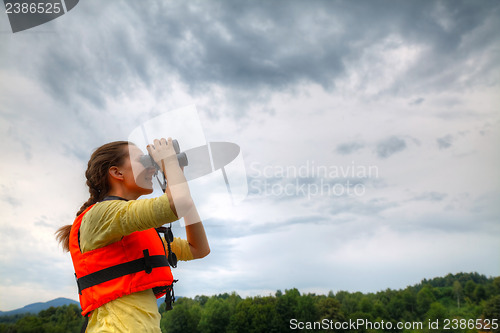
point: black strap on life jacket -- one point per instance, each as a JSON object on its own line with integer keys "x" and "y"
{"x": 147, "y": 263}
{"x": 85, "y": 324}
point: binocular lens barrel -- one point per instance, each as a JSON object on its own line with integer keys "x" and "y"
{"x": 181, "y": 157}
{"x": 183, "y": 160}
{"x": 177, "y": 149}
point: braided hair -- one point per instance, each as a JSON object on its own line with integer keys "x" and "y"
{"x": 104, "y": 157}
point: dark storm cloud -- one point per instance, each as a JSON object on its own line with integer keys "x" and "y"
{"x": 251, "y": 48}
{"x": 390, "y": 146}
{"x": 257, "y": 45}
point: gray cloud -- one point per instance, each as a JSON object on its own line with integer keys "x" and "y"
{"x": 445, "y": 141}
{"x": 222, "y": 230}
{"x": 15, "y": 135}
{"x": 371, "y": 207}
{"x": 390, "y": 146}
{"x": 6, "y": 195}
{"x": 430, "y": 196}
{"x": 417, "y": 101}
{"x": 348, "y": 148}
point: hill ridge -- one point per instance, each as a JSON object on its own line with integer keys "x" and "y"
{"x": 39, "y": 306}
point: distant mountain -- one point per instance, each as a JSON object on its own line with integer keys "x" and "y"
{"x": 37, "y": 307}
{"x": 160, "y": 301}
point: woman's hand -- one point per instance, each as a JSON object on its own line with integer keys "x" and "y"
{"x": 163, "y": 153}
{"x": 177, "y": 187}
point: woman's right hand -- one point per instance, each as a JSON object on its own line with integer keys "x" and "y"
{"x": 163, "y": 153}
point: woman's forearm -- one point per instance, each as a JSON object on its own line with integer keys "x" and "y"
{"x": 195, "y": 234}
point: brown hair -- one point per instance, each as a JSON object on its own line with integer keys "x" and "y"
{"x": 104, "y": 157}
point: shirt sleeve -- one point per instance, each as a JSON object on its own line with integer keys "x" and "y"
{"x": 181, "y": 249}
{"x": 108, "y": 221}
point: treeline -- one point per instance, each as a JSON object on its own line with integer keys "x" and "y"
{"x": 463, "y": 297}
{"x": 464, "y": 301}
{"x": 61, "y": 319}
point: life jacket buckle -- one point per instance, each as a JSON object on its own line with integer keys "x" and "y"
{"x": 148, "y": 266}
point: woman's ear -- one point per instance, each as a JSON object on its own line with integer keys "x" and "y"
{"x": 115, "y": 173}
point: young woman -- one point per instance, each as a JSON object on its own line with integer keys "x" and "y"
{"x": 121, "y": 263}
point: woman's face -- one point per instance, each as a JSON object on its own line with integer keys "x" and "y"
{"x": 137, "y": 178}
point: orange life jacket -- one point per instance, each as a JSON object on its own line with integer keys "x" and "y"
{"x": 135, "y": 263}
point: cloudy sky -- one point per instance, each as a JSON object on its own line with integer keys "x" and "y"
{"x": 369, "y": 132}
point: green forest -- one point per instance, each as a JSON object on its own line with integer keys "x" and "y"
{"x": 464, "y": 302}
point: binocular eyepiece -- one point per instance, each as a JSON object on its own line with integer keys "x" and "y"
{"x": 148, "y": 161}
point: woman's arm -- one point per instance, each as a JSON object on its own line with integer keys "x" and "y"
{"x": 180, "y": 197}
{"x": 197, "y": 239}
{"x": 195, "y": 234}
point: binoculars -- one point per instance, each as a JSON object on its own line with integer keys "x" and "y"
{"x": 148, "y": 161}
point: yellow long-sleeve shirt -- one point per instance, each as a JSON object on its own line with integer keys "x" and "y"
{"x": 106, "y": 223}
